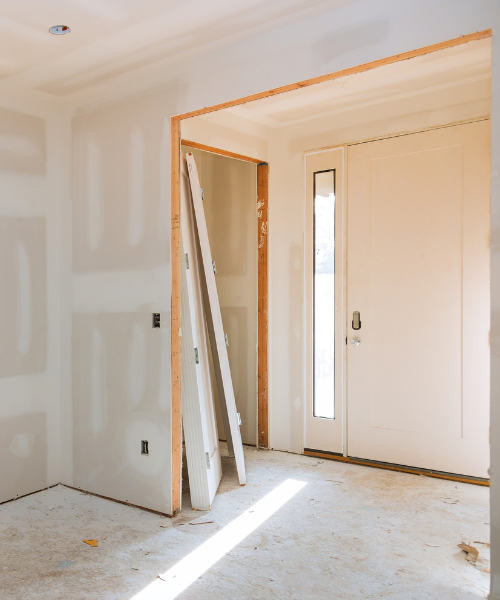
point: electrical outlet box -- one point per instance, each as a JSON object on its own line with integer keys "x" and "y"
{"x": 156, "y": 320}
{"x": 145, "y": 447}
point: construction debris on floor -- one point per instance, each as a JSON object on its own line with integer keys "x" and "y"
{"x": 343, "y": 531}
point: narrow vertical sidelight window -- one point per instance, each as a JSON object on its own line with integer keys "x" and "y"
{"x": 324, "y": 294}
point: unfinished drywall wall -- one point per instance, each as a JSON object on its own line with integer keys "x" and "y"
{"x": 29, "y": 296}
{"x": 230, "y": 201}
{"x": 120, "y": 365}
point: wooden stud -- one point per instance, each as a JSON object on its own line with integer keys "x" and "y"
{"x": 220, "y": 151}
{"x": 263, "y": 286}
{"x": 175, "y": 314}
{"x": 377, "y": 465}
{"x": 343, "y": 73}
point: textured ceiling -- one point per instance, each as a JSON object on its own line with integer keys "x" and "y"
{"x": 110, "y": 37}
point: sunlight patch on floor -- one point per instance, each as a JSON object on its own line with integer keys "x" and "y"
{"x": 170, "y": 584}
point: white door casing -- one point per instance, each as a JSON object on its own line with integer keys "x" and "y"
{"x": 418, "y": 272}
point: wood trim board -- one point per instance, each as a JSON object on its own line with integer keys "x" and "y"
{"x": 262, "y": 305}
{"x": 464, "y": 39}
{"x": 399, "y": 468}
{"x": 220, "y": 151}
{"x": 175, "y": 315}
{"x": 174, "y": 200}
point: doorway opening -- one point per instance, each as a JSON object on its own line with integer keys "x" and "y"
{"x": 310, "y": 131}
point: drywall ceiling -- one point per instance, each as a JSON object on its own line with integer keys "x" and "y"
{"x": 111, "y": 37}
{"x": 446, "y": 69}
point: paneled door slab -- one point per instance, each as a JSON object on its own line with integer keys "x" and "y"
{"x": 418, "y": 275}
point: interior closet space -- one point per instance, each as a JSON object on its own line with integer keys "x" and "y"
{"x": 230, "y": 202}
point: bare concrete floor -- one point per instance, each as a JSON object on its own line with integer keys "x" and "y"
{"x": 352, "y": 532}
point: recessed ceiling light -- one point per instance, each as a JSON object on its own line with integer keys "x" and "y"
{"x": 59, "y": 29}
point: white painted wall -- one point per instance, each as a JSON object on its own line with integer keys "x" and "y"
{"x": 352, "y": 35}
{"x": 30, "y": 198}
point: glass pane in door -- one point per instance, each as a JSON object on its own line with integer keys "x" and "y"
{"x": 324, "y": 294}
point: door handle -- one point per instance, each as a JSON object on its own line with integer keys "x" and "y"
{"x": 355, "y": 341}
{"x": 356, "y": 320}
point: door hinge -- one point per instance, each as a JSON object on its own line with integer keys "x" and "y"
{"x": 207, "y": 455}
{"x": 196, "y": 356}
{"x": 187, "y": 260}
{"x": 239, "y": 418}
{"x": 201, "y": 192}
{"x": 213, "y": 265}
{"x": 226, "y": 339}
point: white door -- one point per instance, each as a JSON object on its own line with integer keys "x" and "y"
{"x": 418, "y": 274}
{"x": 198, "y": 410}
{"x": 214, "y": 324}
{"x": 324, "y": 301}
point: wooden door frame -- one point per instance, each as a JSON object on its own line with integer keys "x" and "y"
{"x": 175, "y": 149}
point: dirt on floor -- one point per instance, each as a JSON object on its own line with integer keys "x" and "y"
{"x": 351, "y": 532}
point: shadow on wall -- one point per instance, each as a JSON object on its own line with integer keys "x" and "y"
{"x": 23, "y": 296}
{"x": 22, "y": 143}
{"x": 23, "y": 448}
{"x": 119, "y": 399}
